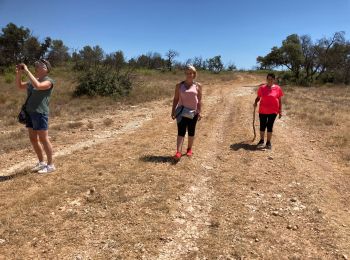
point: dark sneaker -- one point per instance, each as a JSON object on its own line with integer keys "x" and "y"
{"x": 260, "y": 144}
{"x": 268, "y": 146}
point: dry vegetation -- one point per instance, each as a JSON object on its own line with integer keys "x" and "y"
{"x": 324, "y": 112}
{"x": 124, "y": 198}
{"x": 68, "y": 112}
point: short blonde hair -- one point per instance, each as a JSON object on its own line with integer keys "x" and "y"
{"x": 191, "y": 68}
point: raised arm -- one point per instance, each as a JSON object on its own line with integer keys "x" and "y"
{"x": 38, "y": 85}
{"x": 19, "y": 83}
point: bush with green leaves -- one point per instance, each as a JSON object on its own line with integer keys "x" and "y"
{"x": 324, "y": 60}
{"x": 104, "y": 81}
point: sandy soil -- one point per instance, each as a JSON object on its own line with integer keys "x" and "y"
{"x": 117, "y": 193}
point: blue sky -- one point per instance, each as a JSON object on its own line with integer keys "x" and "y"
{"x": 239, "y": 30}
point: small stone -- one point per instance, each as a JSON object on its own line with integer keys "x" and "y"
{"x": 289, "y": 227}
{"x": 270, "y": 158}
{"x": 207, "y": 167}
{"x": 79, "y": 257}
{"x": 256, "y": 239}
{"x": 2, "y": 241}
{"x": 293, "y": 199}
{"x": 345, "y": 257}
{"x": 275, "y": 213}
{"x": 295, "y": 227}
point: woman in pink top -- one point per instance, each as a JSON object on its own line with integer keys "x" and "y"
{"x": 270, "y": 97}
{"x": 186, "y": 109}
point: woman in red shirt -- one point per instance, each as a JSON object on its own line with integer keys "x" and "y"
{"x": 269, "y": 96}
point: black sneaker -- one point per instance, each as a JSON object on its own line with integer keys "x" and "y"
{"x": 260, "y": 144}
{"x": 268, "y": 145}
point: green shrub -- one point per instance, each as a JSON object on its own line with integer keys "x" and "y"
{"x": 103, "y": 81}
{"x": 9, "y": 78}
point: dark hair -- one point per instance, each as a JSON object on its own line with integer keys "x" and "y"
{"x": 272, "y": 75}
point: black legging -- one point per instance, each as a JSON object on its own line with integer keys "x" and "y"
{"x": 267, "y": 120}
{"x": 187, "y": 123}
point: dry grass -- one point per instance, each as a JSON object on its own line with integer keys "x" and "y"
{"x": 324, "y": 111}
{"x": 108, "y": 122}
{"x": 67, "y": 112}
{"x": 124, "y": 199}
{"x": 76, "y": 124}
{"x": 17, "y": 140}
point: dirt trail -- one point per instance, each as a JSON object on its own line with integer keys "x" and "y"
{"x": 123, "y": 197}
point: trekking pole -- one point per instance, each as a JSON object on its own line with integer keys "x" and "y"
{"x": 254, "y": 124}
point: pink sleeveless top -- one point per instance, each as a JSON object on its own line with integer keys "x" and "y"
{"x": 188, "y": 97}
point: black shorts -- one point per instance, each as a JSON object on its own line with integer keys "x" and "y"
{"x": 266, "y": 121}
{"x": 187, "y": 124}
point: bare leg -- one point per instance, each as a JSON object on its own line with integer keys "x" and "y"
{"x": 180, "y": 141}
{"x": 269, "y": 136}
{"x": 44, "y": 139}
{"x": 34, "y": 139}
{"x": 262, "y": 135}
{"x": 190, "y": 142}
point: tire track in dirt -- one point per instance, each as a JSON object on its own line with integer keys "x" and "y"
{"x": 280, "y": 204}
{"x": 125, "y": 200}
{"x": 102, "y": 137}
{"x": 196, "y": 222}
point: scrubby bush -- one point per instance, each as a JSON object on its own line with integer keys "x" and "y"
{"x": 104, "y": 81}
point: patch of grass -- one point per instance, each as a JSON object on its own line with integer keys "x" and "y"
{"x": 90, "y": 125}
{"x": 108, "y": 121}
{"x": 9, "y": 78}
{"x": 76, "y": 124}
{"x": 13, "y": 141}
{"x": 324, "y": 110}
{"x": 148, "y": 85}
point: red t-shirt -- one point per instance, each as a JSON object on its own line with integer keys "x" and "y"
{"x": 269, "y": 99}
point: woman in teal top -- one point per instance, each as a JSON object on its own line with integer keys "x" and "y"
{"x": 39, "y": 89}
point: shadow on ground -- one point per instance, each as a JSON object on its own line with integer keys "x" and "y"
{"x": 14, "y": 175}
{"x": 245, "y": 145}
{"x": 158, "y": 159}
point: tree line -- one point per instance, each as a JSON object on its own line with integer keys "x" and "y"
{"x": 308, "y": 61}
{"x": 301, "y": 59}
{"x": 17, "y": 44}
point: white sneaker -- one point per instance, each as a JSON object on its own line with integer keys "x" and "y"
{"x": 48, "y": 169}
{"x": 39, "y": 166}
